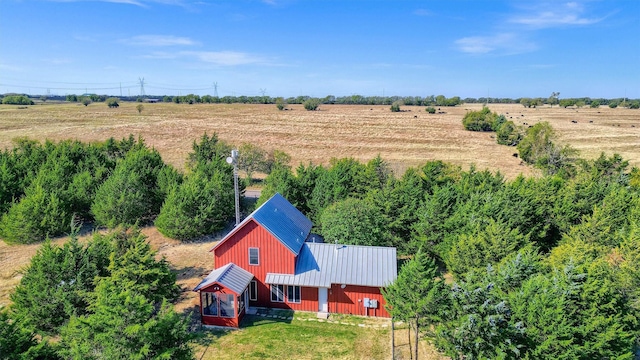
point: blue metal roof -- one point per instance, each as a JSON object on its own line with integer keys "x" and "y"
{"x": 284, "y": 222}
{"x": 230, "y": 276}
{"x": 320, "y": 265}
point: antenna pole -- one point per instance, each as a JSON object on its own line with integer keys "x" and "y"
{"x": 233, "y": 160}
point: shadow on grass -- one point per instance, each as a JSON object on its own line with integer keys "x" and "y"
{"x": 266, "y": 316}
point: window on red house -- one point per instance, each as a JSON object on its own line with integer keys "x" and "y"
{"x": 209, "y": 304}
{"x": 254, "y": 256}
{"x": 277, "y": 293}
{"x": 226, "y": 305}
{"x": 293, "y": 294}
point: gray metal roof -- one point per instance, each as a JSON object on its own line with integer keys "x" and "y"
{"x": 282, "y": 220}
{"x": 230, "y": 276}
{"x": 320, "y": 265}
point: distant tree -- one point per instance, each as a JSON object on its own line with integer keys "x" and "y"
{"x": 17, "y": 100}
{"x": 251, "y": 158}
{"x": 139, "y": 107}
{"x": 280, "y": 103}
{"x": 537, "y": 148}
{"x": 508, "y": 134}
{"x": 113, "y": 102}
{"x": 166, "y": 99}
{"x": 71, "y": 98}
{"x": 395, "y": 107}
{"x": 595, "y": 104}
{"x": 482, "y": 120}
{"x": 526, "y": 102}
{"x": 86, "y": 101}
{"x": 311, "y": 104}
{"x": 430, "y": 110}
{"x": 553, "y": 98}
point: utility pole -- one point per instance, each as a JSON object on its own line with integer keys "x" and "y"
{"x": 233, "y": 160}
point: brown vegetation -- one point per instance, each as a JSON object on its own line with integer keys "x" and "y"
{"x": 403, "y": 139}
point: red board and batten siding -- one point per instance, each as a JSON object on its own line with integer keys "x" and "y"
{"x": 221, "y": 321}
{"x": 308, "y": 301}
{"x": 350, "y": 300}
{"x": 273, "y": 257}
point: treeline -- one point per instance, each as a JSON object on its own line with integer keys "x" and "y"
{"x": 44, "y": 186}
{"x": 107, "y": 299}
{"x": 543, "y": 267}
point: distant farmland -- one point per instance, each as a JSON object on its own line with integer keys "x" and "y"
{"x": 404, "y": 139}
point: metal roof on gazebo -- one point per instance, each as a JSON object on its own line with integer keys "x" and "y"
{"x": 230, "y": 276}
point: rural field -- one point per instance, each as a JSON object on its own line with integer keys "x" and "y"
{"x": 404, "y": 139}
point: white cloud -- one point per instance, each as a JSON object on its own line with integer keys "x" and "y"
{"x": 554, "y": 15}
{"x": 502, "y": 44}
{"x": 422, "y": 12}
{"x": 158, "y": 41}
{"x": 218, "y": 58}
{"x": 224, "y": 58}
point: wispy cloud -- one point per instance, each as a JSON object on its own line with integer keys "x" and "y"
{"x": 58, "y": 61}
{"x": 501, "y": 44}
{"x": 422, "y": 12}
{"x": 141, "y": 3}
{"x": 158, "y": 41}
{"x": 217, "y": 58}
{"x": 555, "y": 15}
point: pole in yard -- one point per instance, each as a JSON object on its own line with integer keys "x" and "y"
{"x": 233, "y": 160}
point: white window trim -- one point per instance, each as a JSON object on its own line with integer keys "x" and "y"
{"x": 278, "y": 291}
{"x": 294, "y": 291}
{"x": 253, "y": 284}
{"x": 258, "y": 256}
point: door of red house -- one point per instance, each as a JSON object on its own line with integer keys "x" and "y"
{"x": 323, "y": 303}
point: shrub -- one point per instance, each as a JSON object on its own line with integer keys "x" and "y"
{"x": 614, "y": 104}
{"x": 112, "y": 102}
{"x": 595, "y": 104}
{"x": 431, "y": 110}
{"x": 86, "y": 101}
{"x": 634, "y": 104}
{"x": 139, "y": 107}
{"x": 311, "y": 104}
{"x": 395, "y": 107}
{"x": 481, "y": 120}
{"x": 17, "y": 100}
{"x": 508, "y": 134}
{"x": 280, "y": 103}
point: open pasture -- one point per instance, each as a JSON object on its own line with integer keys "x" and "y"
{"x": 408, "y": 138}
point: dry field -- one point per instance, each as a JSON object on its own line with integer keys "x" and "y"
{"x": 404, "y": 139}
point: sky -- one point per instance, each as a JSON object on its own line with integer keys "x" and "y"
{"x": 466, "y": 48}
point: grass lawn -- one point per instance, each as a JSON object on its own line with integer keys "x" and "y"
{"x": 267, "y": 338}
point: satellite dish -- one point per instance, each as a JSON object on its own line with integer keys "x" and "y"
{"x": 229, "y": 160}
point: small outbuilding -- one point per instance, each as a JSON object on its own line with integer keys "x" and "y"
{"x": 224, "y": 296}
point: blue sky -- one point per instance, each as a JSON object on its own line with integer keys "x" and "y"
{"x": 318, "y": 48}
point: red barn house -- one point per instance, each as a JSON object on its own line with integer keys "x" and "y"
{"x": 269, "y": 261}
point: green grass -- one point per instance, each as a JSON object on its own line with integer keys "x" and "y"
{"x": 267, "y": 338}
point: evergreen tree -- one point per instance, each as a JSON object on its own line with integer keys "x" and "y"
{"x": 19, "y": 343}
{"x": 418, "y": 296}
{"x": 131, "y": 194}
{"x": 356, "y": 222}
{"x": 200, "y": 205}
